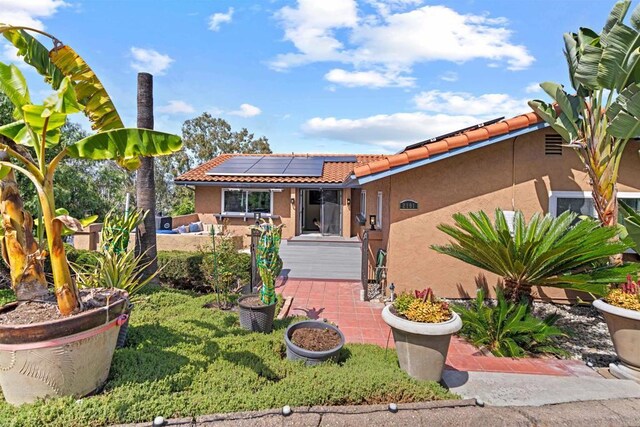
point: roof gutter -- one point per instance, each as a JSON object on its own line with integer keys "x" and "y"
{"x": 399, "y": 169}
{"x": 230, "y": 184}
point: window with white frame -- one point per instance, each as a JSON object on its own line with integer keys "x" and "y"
{"x": 379, "y": 210}
{"x": 236, "y": 201}
{"x": 581, "y": 202}
{"x": 363, "y": 203}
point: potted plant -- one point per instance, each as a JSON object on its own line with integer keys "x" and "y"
{"x": 257, "y": 310}
{"x": 422, "y": 326}
{"x": 313, "y": 342}
{"x": 621, "y": 310}
{"x": 56, "y": 343}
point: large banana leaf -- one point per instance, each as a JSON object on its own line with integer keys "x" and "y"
{"x": 62, "y": 61}
{"x": 624, "y": 114}
{"x": 14, "y": 86}
{"x": 125, "y": 146}
{"x": 631, "y": 224}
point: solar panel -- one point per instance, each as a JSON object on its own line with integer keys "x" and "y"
{"x": 276, "y": 166}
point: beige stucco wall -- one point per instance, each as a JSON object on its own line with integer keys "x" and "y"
{"x": 480, "y": 179}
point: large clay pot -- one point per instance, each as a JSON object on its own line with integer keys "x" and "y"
{"x": 256, "y": 318}
{"x": 624, "y": 328}
{"x": 64, "y": 357}
{"x": 311, "y": 357}
{"x": 422, "y": 347}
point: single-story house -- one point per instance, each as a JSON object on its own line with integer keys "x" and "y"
{"x": 513, "y": 164}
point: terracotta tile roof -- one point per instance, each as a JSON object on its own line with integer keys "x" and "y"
{"x": 442, "y": 146}
{"x": 332, "y": 172}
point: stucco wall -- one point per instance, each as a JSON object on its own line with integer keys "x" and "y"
{"x": 480, "y": 179}
{"x": 208, "y": 203}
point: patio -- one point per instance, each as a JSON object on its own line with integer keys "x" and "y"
{"x": 361, "y": 322}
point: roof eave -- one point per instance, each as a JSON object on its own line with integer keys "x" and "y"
{"x": 418, "y": 163}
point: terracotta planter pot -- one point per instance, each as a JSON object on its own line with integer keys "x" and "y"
{"x": 311, "y": 357}
{"x": 256, "y": 319}
{"x": 422, "y": 347}
{"x": 65, "y": 357}
{"x": 624, "y": 328}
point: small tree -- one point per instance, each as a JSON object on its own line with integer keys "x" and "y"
{"x": 603, "y": 113}
{"x": 36, "y": 129}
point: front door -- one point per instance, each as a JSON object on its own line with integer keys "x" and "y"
{"x": 321, "y": 212}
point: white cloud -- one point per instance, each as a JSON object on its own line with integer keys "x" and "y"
{"x": 177, "y": 107}
{"x": 533, "y": 88}
{"x": 449, "y": 76}
{"x": 246, "y": 110}
{"x": 28, "y": 12}
{"x": 373, "y": 79}
{"x": 149, "y": 61}
{"x": 219, "y": 18}
{"x": 486, "y": 105}
{"x": 389, "y": 131}
{"x": 394, "y": 38}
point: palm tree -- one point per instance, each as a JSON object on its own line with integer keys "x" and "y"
{"x": 603, "y": 113}
{"x": 145, "y": 181}
{"x": 545, "y": 252}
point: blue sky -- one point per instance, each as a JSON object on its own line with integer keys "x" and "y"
{"x": 346, "y": 76}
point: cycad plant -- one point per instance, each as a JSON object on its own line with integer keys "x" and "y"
{"x": 546, "y": 251}
{"x": 508, "y": 329}
{"x": 603, "y": 112}
{"x": 268, "y": 259}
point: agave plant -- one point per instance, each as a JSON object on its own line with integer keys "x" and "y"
{"x": 117, "y": 228}
{"x": 508, "y": 329}
{"x": 547, "y": 251}
{"x": 27, "y": 141}
{"x": 603, "y": 113}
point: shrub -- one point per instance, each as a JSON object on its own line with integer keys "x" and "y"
{"x": 182, "y": 270}
{"x": 506, "y": 328}
{"x": 422, "y": 306}
{"x": 226, "y": 267}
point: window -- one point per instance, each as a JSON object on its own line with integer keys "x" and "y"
{"x": 582, "y": 203}
{"x": 379, "y": 211}
{"x": 246, "y": 201}
{"x": 363, "y": 203}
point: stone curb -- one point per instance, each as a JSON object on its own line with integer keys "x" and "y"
{"x": 286, "y": 306}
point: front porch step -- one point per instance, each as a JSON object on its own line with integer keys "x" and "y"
{"x": 321, "y": 259}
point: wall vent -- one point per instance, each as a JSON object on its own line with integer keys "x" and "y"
{"x": 553, "y": 145}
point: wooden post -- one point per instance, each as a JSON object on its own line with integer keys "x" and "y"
{"x": 145, "y": 179}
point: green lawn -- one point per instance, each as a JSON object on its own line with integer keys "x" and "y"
{"x": 183, "y": 360}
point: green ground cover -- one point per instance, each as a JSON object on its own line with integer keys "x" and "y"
{"x": 183, "y": 359}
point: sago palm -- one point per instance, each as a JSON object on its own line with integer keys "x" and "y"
{"x": 546, "y": 251}
{"x": 603, "y": 112}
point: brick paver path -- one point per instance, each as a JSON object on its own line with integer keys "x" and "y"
{"x": 361, "y": 322}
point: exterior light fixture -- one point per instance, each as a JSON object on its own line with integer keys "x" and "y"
{"x": 293, "y": 200}
{"x": 348, "y": 202}
{"x": 372, "y": 221}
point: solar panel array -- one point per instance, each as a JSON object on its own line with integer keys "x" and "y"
{"x": 276, "y": 166}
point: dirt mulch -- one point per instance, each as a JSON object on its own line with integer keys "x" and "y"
{"x": 253, "y": 302}
{"x": 314, "y": 339}
{"x": 46, "y": 309}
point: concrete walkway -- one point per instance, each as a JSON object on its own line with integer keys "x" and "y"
{"x": 620, "y": 412}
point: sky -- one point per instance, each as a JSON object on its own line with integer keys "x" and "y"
{"x": 318, "y": 76}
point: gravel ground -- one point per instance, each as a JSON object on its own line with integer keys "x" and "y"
{"x": 588, "y": 337}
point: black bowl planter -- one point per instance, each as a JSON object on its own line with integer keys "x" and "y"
{"x": 122, "y": 335}
{"x": 256, "y": 318}
{"x": 311, "y": 357}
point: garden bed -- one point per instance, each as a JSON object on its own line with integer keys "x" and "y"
{"x": 184, "y": 360}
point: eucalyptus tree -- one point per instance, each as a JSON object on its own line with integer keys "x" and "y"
{"x": 602, "y": 113}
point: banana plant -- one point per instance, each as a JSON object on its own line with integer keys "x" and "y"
{"x": 603, "y": 112}
{"x": 37, "y": 129}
